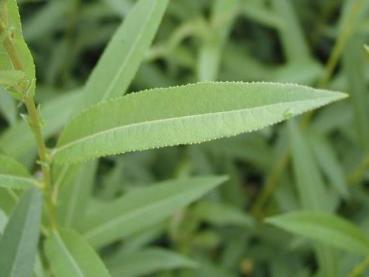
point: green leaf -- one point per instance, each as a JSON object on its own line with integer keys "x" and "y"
{"x": 311, "y": 189}
{"x": 354, "y": 70}
{"x": 75, "y": 191}
{"x": 292, "y": 37}
{"x": 8, "y": 107}
{"x": 329, "y": 163}
{"x": 70, "y": 255}
{"x": 183, "y": 115}
{"x": 9, "y": 78}
{"x": 143, "y": 208}
{"x": 309, "y": 182}
{"x": 13, "y": 174}
{"x": 12, "y": 30}
{"x": 147, "y": 262}
{"x": 18, "y": 245}
{"x": 222, "y": 214}
{"x": 18, "y": 140}
{"x": 122, "y": 57}
{"x": 326, "y": 228}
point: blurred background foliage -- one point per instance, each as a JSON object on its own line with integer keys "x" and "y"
{"x": 319, "y": 161}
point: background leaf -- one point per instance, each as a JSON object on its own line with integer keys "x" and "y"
{"x": 70, "y": 255}
{"x": 326, "y": 228}
{"x": 18, "y": 245}
{"x": 143, "y": 208}
{"x": 13, "y": 174}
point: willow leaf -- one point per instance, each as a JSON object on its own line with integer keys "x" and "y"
{"x": 326, "y": 228}
{"x": 18, "y": 245}
{"x": 122, "y": 57}
{"x": 13, "y": 174}
{"x": 183, "y": 115}
{"x": 143, "y": 208}
{"x": 70, "y": 255}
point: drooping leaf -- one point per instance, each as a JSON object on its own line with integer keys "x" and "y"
{"x": 122, "y": 57}
{"x": 70, "y": 255}
{"x": 142, "y": 208}
{"x": 148, "y": 261}
{"x": 18, "y": 245}
{"x": 13, "y": 174}
{"x": 183, "y": 115}
{"x": 326, "y": 228}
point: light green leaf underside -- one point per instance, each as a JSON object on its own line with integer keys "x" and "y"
{"x": 143, "y": 208}
{"x": 18, "y": 245}
{"x": 122, "y": 57}
{"x": 69, "y": 255}
{"x": 149, "y": 261}
{"x": 13, "y": 174}
{"x": 325, "y": 228}
{"x": 188, "y": 114}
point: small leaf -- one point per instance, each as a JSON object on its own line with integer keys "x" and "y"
{"x": 142, "y": 208}
{"x": 147, "y": 262}
{"x": 326, "y": 228}
{"x": 13, "y": 174}
{"x": 18, "y": 245}
{"x": 183, "y": 115}
{"x": 70, "y": 255}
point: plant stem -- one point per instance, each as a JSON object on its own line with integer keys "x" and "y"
{"x": 35, "y": 123}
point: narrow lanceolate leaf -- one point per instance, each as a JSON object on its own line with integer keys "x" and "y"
{"x": 147, "y": 262}
{"x": 325, "y": 228}
{"x": 18, "y": 245}
{"x": 183, "y": 115}
{"x": 70, "y": 255}
{"x": 122, "y": 57}
{"x": 143, "y": 208}
{"x": 13, "y": 174}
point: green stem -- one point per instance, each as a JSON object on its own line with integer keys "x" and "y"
{"x": 35, "y": 123}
